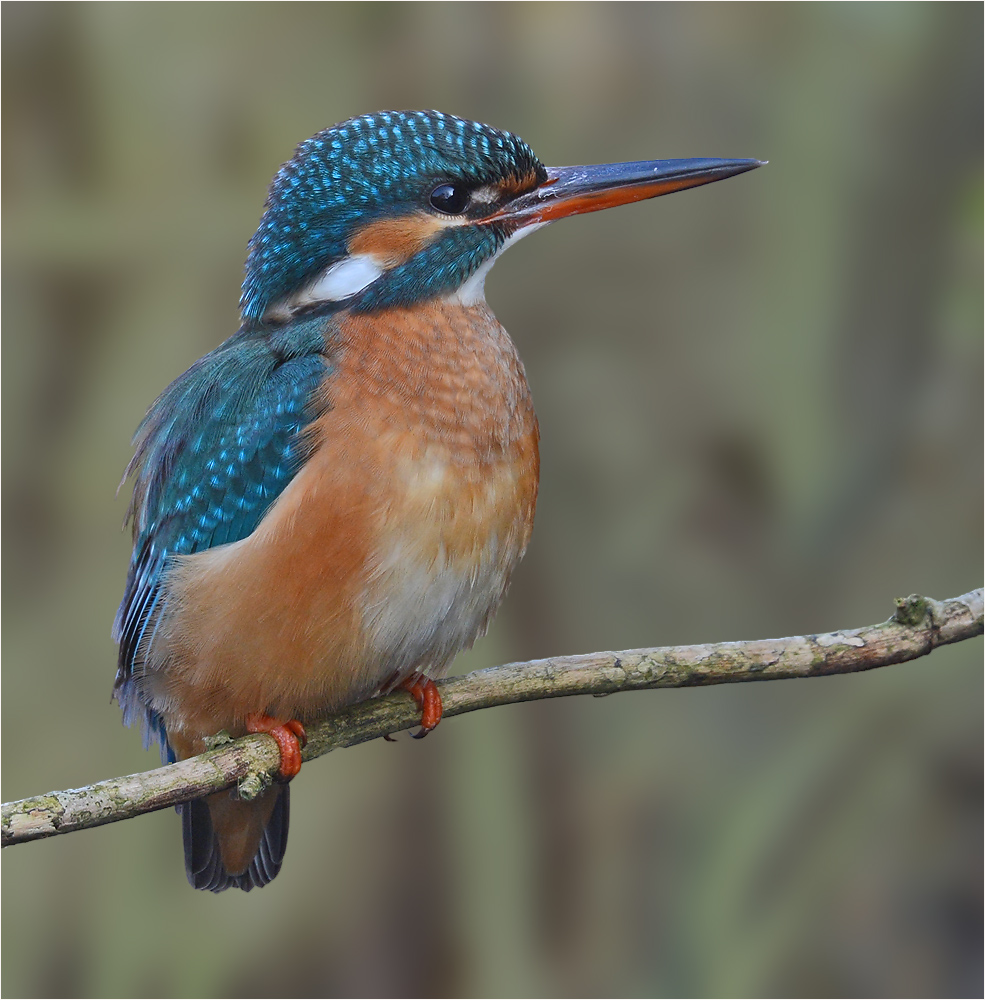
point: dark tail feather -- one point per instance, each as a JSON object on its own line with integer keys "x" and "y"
{"x": 203, "y": 862}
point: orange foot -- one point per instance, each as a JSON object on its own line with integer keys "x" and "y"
{"x": 428, "y": 701}
{"x": 290, "y": 738}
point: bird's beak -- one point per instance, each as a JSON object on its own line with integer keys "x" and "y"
{"x": 573, "y": 190}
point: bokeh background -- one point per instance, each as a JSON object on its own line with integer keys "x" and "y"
{"x": 761, "y": 413}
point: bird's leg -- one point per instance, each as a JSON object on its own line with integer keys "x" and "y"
{"x": 290, "y": 737}
{"x": 428, "y": 699}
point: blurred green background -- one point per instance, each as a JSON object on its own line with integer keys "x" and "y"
{"x": 761, "y": 414}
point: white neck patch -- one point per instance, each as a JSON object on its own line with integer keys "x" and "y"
{"x": 472, "y": 291}
{"x": 340, "y": 281}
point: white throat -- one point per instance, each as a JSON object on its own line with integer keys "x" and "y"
{"x": 472, "y": 291}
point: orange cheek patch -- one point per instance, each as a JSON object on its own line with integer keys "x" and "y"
{"x": 393, "y": 241}
{"x": 511, "y": 187}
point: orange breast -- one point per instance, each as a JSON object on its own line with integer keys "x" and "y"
{"x": 392, "y": 547}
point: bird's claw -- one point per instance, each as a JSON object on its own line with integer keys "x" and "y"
{"x": 290, "y": 737}
{"x": 428, "y": 698}
{"x": 298, "y": 729}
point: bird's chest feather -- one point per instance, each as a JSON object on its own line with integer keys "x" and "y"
{"x": 437, "y": 400}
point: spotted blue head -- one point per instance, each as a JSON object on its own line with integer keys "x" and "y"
{"x": 398, "y": 207}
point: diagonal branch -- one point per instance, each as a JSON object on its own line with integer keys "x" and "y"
{"x": 918, "y": 626}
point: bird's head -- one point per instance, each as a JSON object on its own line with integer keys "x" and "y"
{"x": 398, "y": 207}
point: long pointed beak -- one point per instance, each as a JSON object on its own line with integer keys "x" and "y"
{"x": 573, "y": 190}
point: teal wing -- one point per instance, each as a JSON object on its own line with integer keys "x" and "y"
{"x": 213, "y": 453}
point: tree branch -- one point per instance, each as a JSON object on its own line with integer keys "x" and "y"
{"x": 918, "y": 626}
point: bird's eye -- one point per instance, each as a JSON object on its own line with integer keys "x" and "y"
{"x": 452, "y": 199}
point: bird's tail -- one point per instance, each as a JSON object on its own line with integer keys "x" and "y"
{"x": 231, "y": 843}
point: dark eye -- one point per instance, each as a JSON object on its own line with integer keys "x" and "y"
{"x": 452, "y": 199}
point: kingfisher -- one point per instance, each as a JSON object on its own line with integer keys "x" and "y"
{"x": 331, "y": 503}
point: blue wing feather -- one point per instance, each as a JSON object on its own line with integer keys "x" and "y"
{"x": 215, "y": 450}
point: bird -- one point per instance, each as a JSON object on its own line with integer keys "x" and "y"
{"x": 330, "y": 504}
